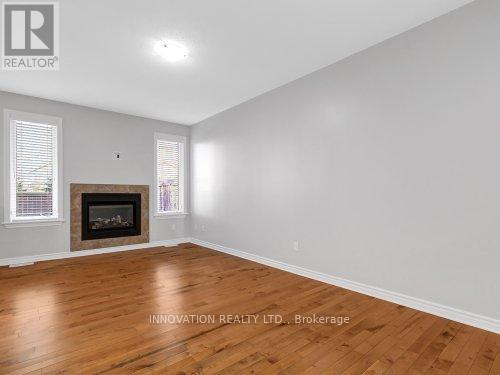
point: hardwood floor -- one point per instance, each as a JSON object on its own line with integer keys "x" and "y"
{"x": 92, "y": 315}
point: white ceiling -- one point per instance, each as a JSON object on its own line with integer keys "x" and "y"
{"x": 239, "y": 49}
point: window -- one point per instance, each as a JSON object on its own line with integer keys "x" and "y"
{"x": 33, "y": 168}
{"x": 169, "y": 171}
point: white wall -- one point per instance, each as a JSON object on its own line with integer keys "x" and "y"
{"x": 90, "y": 137}
{"x": 385, "y": 166}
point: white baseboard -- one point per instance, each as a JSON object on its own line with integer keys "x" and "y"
{"x": 475, "y": 320}
{"x": 74, "y": 254}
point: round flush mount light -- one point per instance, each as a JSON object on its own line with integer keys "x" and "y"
{"x": 171, "y": 51}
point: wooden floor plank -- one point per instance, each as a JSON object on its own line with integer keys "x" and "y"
{"x": 468, "y": 354}
{"x": 92, "y": 315}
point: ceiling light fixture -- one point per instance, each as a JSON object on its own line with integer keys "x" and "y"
{"x": 171, "y": 51}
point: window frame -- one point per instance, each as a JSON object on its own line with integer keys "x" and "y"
{"x": 182, "y": 175}
{"x": 9, "y": 160}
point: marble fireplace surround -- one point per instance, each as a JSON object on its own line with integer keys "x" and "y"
{"x": 76, "y": 191}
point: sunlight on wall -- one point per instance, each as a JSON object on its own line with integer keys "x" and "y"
{"x": 204, "y": 177}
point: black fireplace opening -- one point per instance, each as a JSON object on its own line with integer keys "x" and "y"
{"x": 109, "y": 215}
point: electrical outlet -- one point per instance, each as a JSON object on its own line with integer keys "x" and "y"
{"x": 117, "y": 155}
{"x": 296, "y": 246}
{"x": 203, "y": 228}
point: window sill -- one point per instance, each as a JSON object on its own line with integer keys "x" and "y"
{"x": 173, "y": 215}
{"x": 33, "y": 223}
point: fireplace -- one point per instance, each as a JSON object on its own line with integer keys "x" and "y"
{"x": 110, "y": 215}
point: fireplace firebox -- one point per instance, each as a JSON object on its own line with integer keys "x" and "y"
{"x": 109, "y": 215}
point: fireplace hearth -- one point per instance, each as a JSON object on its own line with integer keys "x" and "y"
{"x": 110, "y": 215}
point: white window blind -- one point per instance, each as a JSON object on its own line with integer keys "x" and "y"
{"x": 33, "y": 170}
{"x": 169, "y": 172}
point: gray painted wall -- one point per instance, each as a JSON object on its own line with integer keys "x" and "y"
{"x": 385, "y": 166}
{"x": 90, "y": 137}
